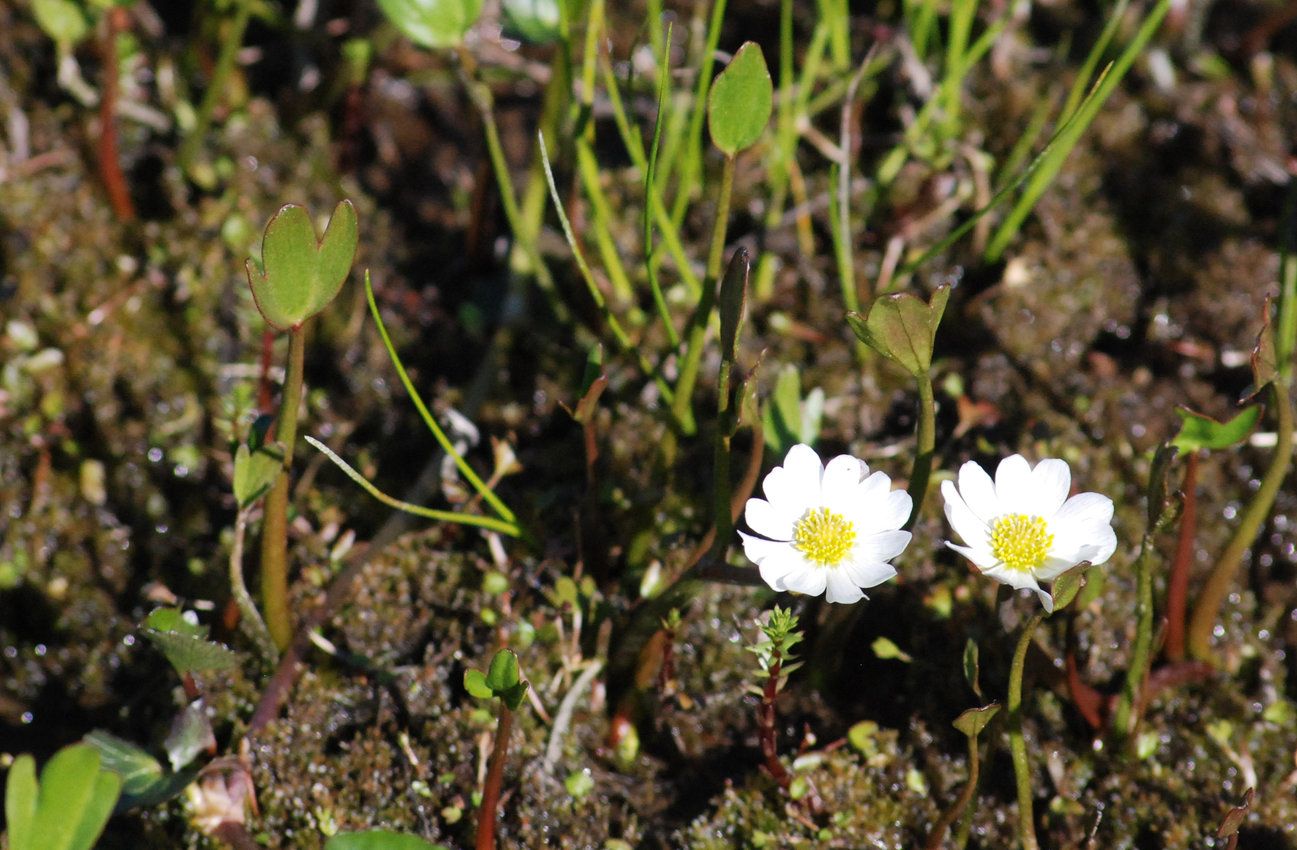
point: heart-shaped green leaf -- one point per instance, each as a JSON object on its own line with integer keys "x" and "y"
{"x": 902, "y": 327}
{"x": 255, "y": 471}
{"x": 302, "y": 274}
{"x": 432, "y": 23}
{"x": 1198, "y": 431}
{"x": 67, "y": 810}
{"x": 974, "y": 720}
{"x": 379, "y": 839}
{"x": 740, "y": 101}
{"x": 502, "y": 680}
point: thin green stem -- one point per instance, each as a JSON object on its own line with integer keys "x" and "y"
{"x": 481, "y": 96}
{"x": 216, "y": 88}
{"x": 442, "y": 440}
{"x": 721, "y": 464}
{"x": 490, "y": 523}
{"x": 697, "y": 330}
{"x": 925, "y": 450}
{"x": 1017, "y": 743}
{"x": 274, "y": 530}
{"x": 691, "y": 167}
{"x": 249, "y": 617}
{"x": 1206, "y": 612}
{"x": 1127, "y": 714}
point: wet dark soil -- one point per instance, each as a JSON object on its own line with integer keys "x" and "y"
{"x": 132, "y": 348}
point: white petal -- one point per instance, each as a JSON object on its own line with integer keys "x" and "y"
{"x": 1046, "y": 599}
{"x": 981, "y": 558}
{"x": 882, "y": 546}
{"x": 760, "y": 550}
{"x": 978, "y": 492}
{"x": 1051, "y": 482}
{"x": 878, "y": 507}
{"x": 1013, "y": 578}
{"x": 809, "y": 580}
{"x": 1084, "y": 523}
{"x": 784, "y": 566}
{"x": 968, "y": 525}
{"x": 1013, "y": 486}
{"x": 866, "y": 573}
{"x": 769, "y": 521}
{"x": 841, "y": 479}
{"x": 840, "y": 588}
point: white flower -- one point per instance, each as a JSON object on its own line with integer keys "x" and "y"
{"x": 830, "y": 529}
{"x": 1022, "y": 528}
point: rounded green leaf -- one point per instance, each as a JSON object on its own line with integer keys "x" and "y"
{"x": 379, "y": 839}
{"x": 432, "y": 23}
{"x": 902, "y": 328}
{"x": 740, "y": 101}
{"x": 301, "y": 274}
{"x": 475, "y": 684}
{"x": 1199, "y": 431}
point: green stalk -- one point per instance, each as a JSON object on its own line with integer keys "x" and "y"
{"x": 482, "y": 98}
{"x": 274, "y": 531}
{"x": 216, "y": 88}
{"x": 1018, "y": 744}
{"x": 1129, "y": 704}
{"x": 693, "y": 153}
{"x": 697, "y": 330}
{"x": 1207, "y": 611}
{"x": 926, "y": 437}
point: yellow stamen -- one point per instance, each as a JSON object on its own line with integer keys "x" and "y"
{"x": 1021, "y": 542}
{"x": 824, "y": 537}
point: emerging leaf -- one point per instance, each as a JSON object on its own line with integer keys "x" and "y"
{"x": 1068, "y": 585}
{"x": 1199, "y": 431}
{"x": 255, "y": 471}
{"x": 184, "y": 643}
{"x": 902, "y": 328}
{"x": 433, "y": 23}
{"x": 302, "y": 274}
{"x": 734, "y": 294}
{"x": 379, "y": 839}
{"x": 973, "y": 721}
{"x": 740, "y": 101}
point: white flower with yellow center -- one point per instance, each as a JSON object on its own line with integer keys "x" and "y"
{"x": 826, "y": 529}
{"x": 1022, "y": 528}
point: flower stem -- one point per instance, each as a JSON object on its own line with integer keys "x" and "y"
{"x": 274, "y": 531}
{"x": 1207, "y": 611}
{"x": 1017, "y": 744}
{"x": 1177, "y": 589}
{"x": 494, "y": 780}
{"x": 1130, "y": 705}
{"x": 926, "y": 439}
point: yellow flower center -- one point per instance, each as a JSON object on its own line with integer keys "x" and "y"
{"x": 1021, "y": 542}
{"x": 824, "y": 537}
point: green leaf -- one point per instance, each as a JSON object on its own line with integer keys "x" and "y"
{"x": 475, "y": 684}
{"x": 302, "y": 274}
{"x": 62, "y": 20}
{"x": 433, "y": 23}
{"x": 733, "y": 295}
{"x": 740, "y": 101}
{"x": 973, "y": 721}
{"x": 532, "y": 21}
{"x": 191, "y": 734}
{"x": 886, "y": 649}
{"x": 184, "y": 645}
{"x": 72, "y": 801}
{"x": 503, "y": 674}
{"x": 1198, "y": 431}
{"x": 902, "y": 328}
{"x": 1068, "y": 585}
{"x": 972, "y": 667}
{"x": 255, "y": 471}
{"x": 21, "y": 797}
{"x": 379, "y": 839}
{"x": 139, "y": 770}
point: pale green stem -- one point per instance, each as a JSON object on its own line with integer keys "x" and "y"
{"x": 926, "y": 448}
{"x": 1207, "y": 611}
{"x": 697, "y": 330}
{"x": 249, "y": 617}
{"x": 216, "y": 87}
{"x": 1018, "y": 744}
{"x": 1130, "y": 703}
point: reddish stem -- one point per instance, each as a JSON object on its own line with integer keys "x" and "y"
{"x": 494, "y": 779}
{"x": 1177, "y": 591}
{"x": 766, "y": 722}
{"x": 110, "y": 170}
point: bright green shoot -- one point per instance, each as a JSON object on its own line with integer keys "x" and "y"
{"x": 504, "y": 522}
{"x": 68, "y": 808}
